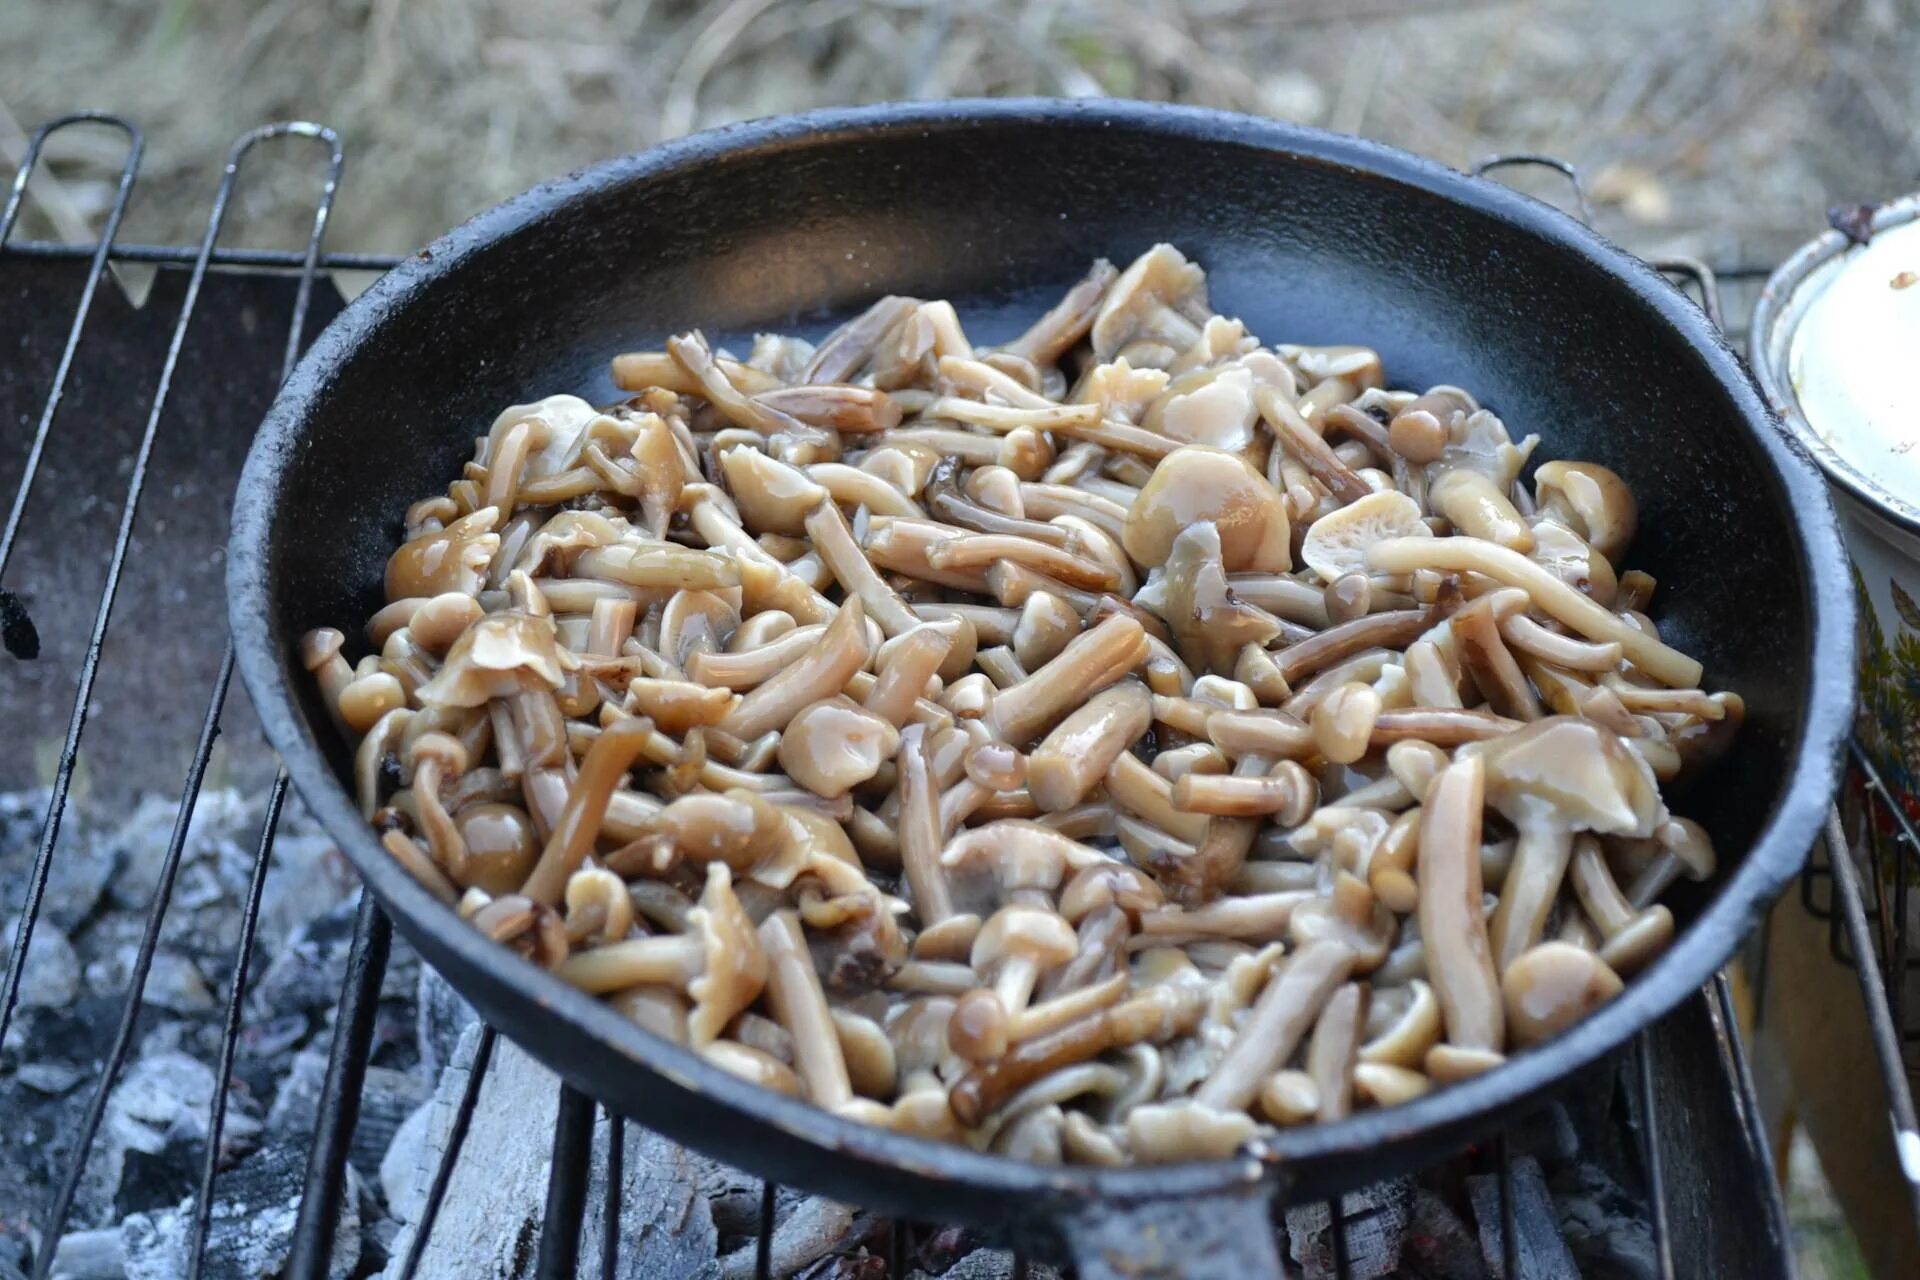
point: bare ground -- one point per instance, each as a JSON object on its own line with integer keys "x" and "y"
{"x": 1717, "y": 127}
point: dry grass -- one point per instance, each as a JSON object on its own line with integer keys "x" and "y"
{"x": 1720, "y": 127}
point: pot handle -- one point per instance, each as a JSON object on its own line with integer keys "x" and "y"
{"x": 1224, "y": 1236}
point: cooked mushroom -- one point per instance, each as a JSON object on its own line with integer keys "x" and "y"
{"x": 1195, "y": 484}
{"x": 1154, "y": 298}
{"x": 1289, "y": 1097}
{"x": 1551, "y": 987}
{"x": 797, "y": 1000}
{"x": 1633, "y": 936}
{"x": 1155, "y": 1014}
{"x": 719, "y": 962}
{"x": 1548, "y": 593}
{"x": 1459, "y": 955}
{"x": 834, "y": 745}
{"x": 1276, "y": 1023}
{"x": 1555, "y": 778}
{"x": 1091, "y": 661}
{"x": 1590, "y": 500}
{"x": 1333, "y": 1051}
{"x": 1684, "y": 849}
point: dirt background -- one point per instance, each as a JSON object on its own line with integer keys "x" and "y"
{"x": 1721, "y": 128}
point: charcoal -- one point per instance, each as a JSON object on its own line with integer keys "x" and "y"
{"x": 1542, "y": 1254}
{"x": 173, "y": 982}
{"x": 493, "y": 1203}
{"x": 1605, "y": 1227}
{"x": 251, "y": 1229}
{"x": 1438, "y": 1243}
{"x": 814, "y": 1227}
{"x": 74, "y": 883}
{"x": 307, "y": 973}
{"x": 664, "y": 1227}
{"x": 140, "y": 843}
{"x": 51, "y": 979}
{"x": 90, "y": 1255}
{"x": 1375, "y": 1225}
{"x": 50, "y": 1078}
{"x": 387, "y": 1099}
{"x": 309, "y": 877}
{"x": 158, "y": 1108}
{"x": 443, "y": 1014}
{"x": 989, "y": 1264}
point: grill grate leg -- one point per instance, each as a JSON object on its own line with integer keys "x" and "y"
{"x": 567, "y": 1186}
{"x": 230, "y": 1033}
{"x": 340, "y": 1094}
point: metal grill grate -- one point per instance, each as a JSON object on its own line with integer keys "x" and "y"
{"x": 354, "y": 1025}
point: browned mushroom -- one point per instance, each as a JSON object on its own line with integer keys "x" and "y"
{"x": 1550, "y": 987}
{"x": 1633, "y": 936}
{"x": 719, "y": 962}
{"x": 451, "y": 559}
{"x": 1195, "y": 484}
{"x": 1555, "y": 778}
{"x": 1459, "y": 955}
{"x": 1549, "y": 594}
{"x": 1276, "y": 1023}
{"x": 1155, "y": 1014}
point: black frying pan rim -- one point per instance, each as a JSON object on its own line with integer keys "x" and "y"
{"x": 1461, "y": 1110}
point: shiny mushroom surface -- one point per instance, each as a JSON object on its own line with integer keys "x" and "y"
{"x": 1096, "y": 748}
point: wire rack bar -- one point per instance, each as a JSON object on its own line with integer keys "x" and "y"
{"x": 1884, "y": 1030}
{"x": 230, "y": 1032}
{"x": 616, "y": 1181}
{"x": 19, "y": 634}
{"x": 449, "y": 1158}
{"x": 567, "y": 1186}
{"x": 184, "y": 255}
{"x": 210, "y": 725}
{"x": 313, "y": 1230}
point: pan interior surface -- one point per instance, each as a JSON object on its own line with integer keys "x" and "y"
{"x": 792, "y": 226}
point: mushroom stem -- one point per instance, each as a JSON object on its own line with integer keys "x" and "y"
{"x": 1485, "y": 655}
{"x": 674, "y": 961}
{"x": 1334, "y": 1048}
{"x": 1297, "y": 436}
{"x": 1540, "y": 856}
{"x": 1549, "y": 594}
{"x": 819, "y": 673}
{"x": 1071, "y": 760}
{"x": 1091, "y": 660}
{"x": 1392, "y": 629}
{"x": 408, "y": 853}
{"x": 606, "y": 762}
{"x": 1459, "y": 956}
{"x": 1288, "y": 790}
{"x": 1529, "y": 637}
{"x": 854, "y": 572}
{"x": 982, "y": 550}
{"x": 1134, "y": 786}
{"x": 1274, "y": 1026}
{"x": 1158, "y": 1013}
{"x": 1067, "y": 321}
{"x": 798, "y": 1001}
{"x": 920, "y": 831}
{"x": 1441, "y": 726}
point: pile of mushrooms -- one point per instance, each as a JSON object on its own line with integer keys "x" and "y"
{"x": 1089, "y": 748}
